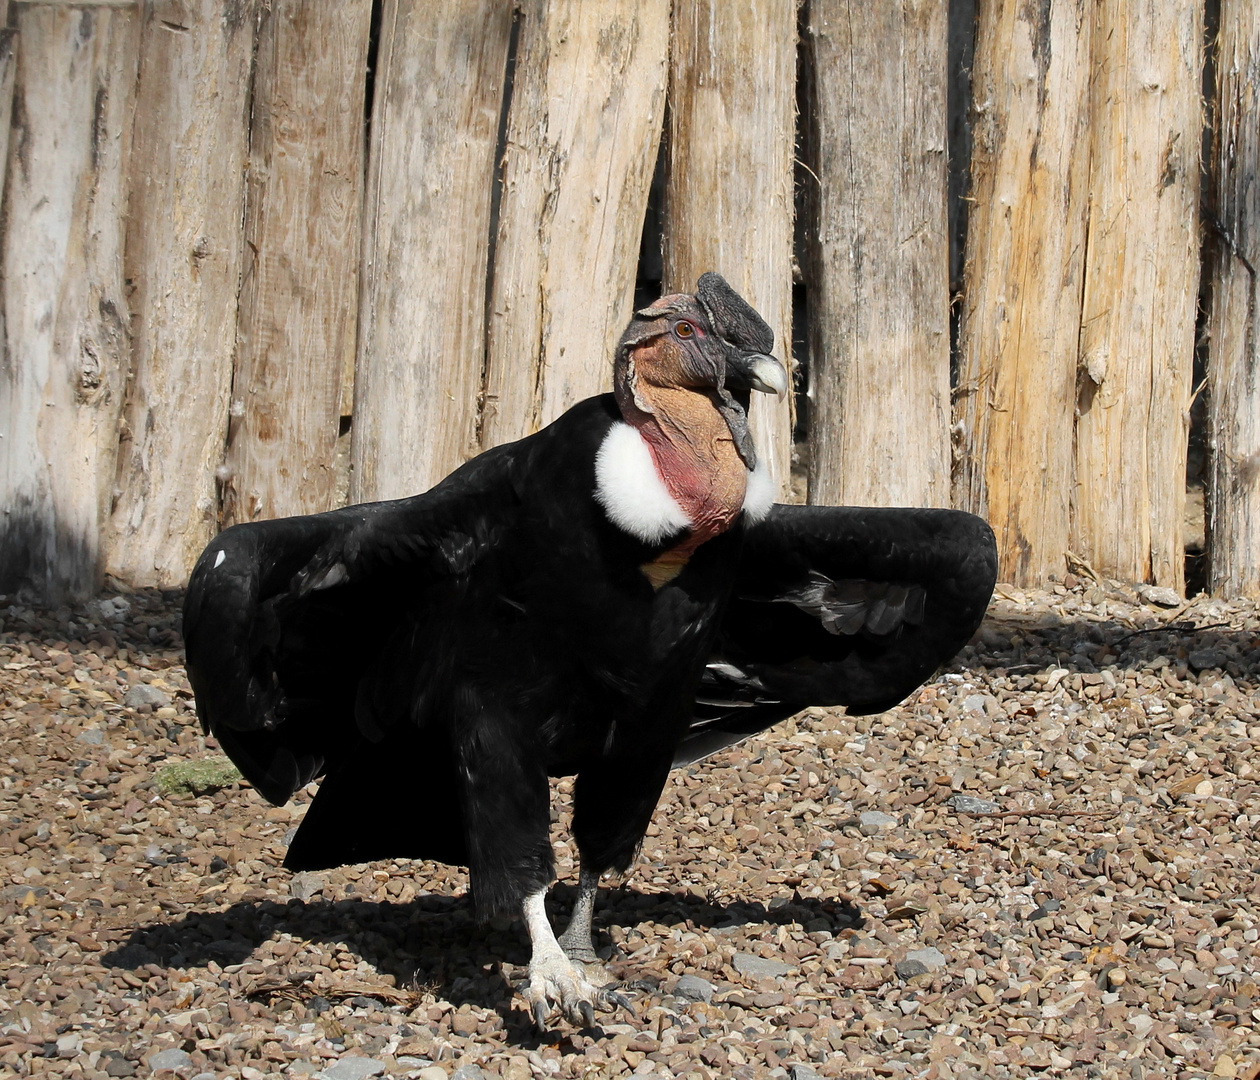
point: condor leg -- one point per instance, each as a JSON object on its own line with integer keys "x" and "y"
{"x": 577, "y": 941}
{"x": 507, "y": 805}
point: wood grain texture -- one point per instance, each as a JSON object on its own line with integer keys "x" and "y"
{"x": 66, "y": 340}
{"x": 184, "y": 244}
{"x": 299, "y": 289}
{"x": 1017, "y": 346}
{"x": 439, "y": 93}
{"x": 587, "y": 107}
{"x": 1141, "y": 283}
{"x": 880, "y": 360}
{"x": 1234, "y": 344}
{"x": 728, "y": 195}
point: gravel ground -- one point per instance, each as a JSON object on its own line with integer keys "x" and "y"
{"x": 1044, "y": 863}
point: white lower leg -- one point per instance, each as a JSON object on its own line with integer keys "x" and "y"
{"x": 553, "y": 980}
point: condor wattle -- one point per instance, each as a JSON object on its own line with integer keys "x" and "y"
{"x": 606, "y": 598}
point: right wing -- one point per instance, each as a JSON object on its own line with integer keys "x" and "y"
{"x": 305, "y": 635}
{"x": 852, "y": 606}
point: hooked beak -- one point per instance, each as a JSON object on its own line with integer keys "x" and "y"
{"x": 759, "y": 372}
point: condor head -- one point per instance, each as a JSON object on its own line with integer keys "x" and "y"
{"x": 713, "y": 343}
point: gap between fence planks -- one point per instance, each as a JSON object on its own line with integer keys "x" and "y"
{"x": 299, "y": 291}
{"x": 66, "y": 343}
{"x": 880, "y": 355}
{"x": 728, "y": 194}
{"x": 1017, "y": 345}
{"x": 435, "y": 120}
{"x": 1234, "y": 356}
{"x": 582, "y": 133}
{"x": 1141, "y": 285}
{"x": 184, "y": 259}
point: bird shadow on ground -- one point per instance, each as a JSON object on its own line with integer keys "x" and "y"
{"x": 433, "y": 944}
{"x": 1019, "y": 646}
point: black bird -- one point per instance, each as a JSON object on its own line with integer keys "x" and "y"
{"x": 609, "y": 597}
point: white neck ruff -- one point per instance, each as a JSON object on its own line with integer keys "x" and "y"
{"x": 636, "y": 499}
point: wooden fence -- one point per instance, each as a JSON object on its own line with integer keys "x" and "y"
{"x": 261, "y": 257}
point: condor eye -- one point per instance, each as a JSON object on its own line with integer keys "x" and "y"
{"x": 684, "y": 330}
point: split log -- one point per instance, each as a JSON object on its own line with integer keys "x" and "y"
{"x": 435, "y": 121}
{"x": 585, "y": 121}
{"x": 66, "y": 336}
{"x": 879, "y": 382}
{"x": 1018, "y": 337}
{"x": 1141, "y": 286}
{"x": 299, "y": 290}
{"x": 1234, "y": 340}
{"x": 184, "y": 243}
{"x": 728, "y": 193}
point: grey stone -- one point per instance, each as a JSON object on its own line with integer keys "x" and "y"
{"x": 173, "y": 1059}
{"x": 1202, "y": 659}
{"x": 931, "y": 958}
{"x": 802, "y": 1072}
{"x": 112, "y": 607}
{"x": 909, "y": 969}
{"x": 1158, "y": 595}
{"x": 92, "y": 736}
{"x": 352, "y": 1068}
{"x": 694, "y": 988}
{"x": 304, "y": 886}
{"x": 144, "y": 694}
{"x": 759, "y": 967}
{"x": 979, "y": 703}
{"x": 468, "y": 1072}
{"x": 1043, "y": 910}
{"x": 969, "y": 804}
{"x": 872, "y": 822}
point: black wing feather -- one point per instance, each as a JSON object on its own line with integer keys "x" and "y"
{"x": 850, "y": 606}
{"x": 284, "y": 619}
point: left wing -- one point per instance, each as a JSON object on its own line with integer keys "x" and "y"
{"x": 852, "y": 606}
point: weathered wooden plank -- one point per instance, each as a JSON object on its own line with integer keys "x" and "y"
{"x": 1022, "y": 294}
{"x": 66, "y": 335}
{"x": 1141, "y": 283}
{"x": 435, "y": 118}
{"x": 1234, "y": 326}
{"x": 184, "y": 243}
{"x": 299, "y": 289}
{"x": 728, "y": 195}
{"x": 585, "y": 121}
{"x": 880, "y": 363}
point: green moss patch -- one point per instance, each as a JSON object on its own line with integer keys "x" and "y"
{"x": 196, "y": 777}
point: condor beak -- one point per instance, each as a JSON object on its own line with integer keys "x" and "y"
{"x": 759, "y": 372}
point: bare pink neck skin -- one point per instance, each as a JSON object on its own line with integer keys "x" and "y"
{"x": 695, "y": 456}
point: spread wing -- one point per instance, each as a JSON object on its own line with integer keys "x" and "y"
{"x": 306, "y": 634}
{"x": 849, "y": 606}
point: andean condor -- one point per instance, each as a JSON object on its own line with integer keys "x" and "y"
{"x": 609, "y": 597}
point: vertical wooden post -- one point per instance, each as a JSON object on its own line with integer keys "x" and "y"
{"x": 587, "y": 107}
{"x": 880, "y": 379}
{"x": 184, "y": 243}
{"x": 728, "y": 200}
{"x": 1022, "y": 294}
{"x": 1234, "y": 340}
{"x": 435, "y": 121}
{"x": 66, "y": 339}
{"x": 1141, "y": 285}
{"x": 299, "y": 291}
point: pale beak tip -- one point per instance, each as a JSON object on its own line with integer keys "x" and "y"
{"x": 768, "y": 375}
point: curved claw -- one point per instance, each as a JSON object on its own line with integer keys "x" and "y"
{"x": 540, "y": 1017}
{"x": 618, "y": 1000}
{"x": 588, "y": 1013}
